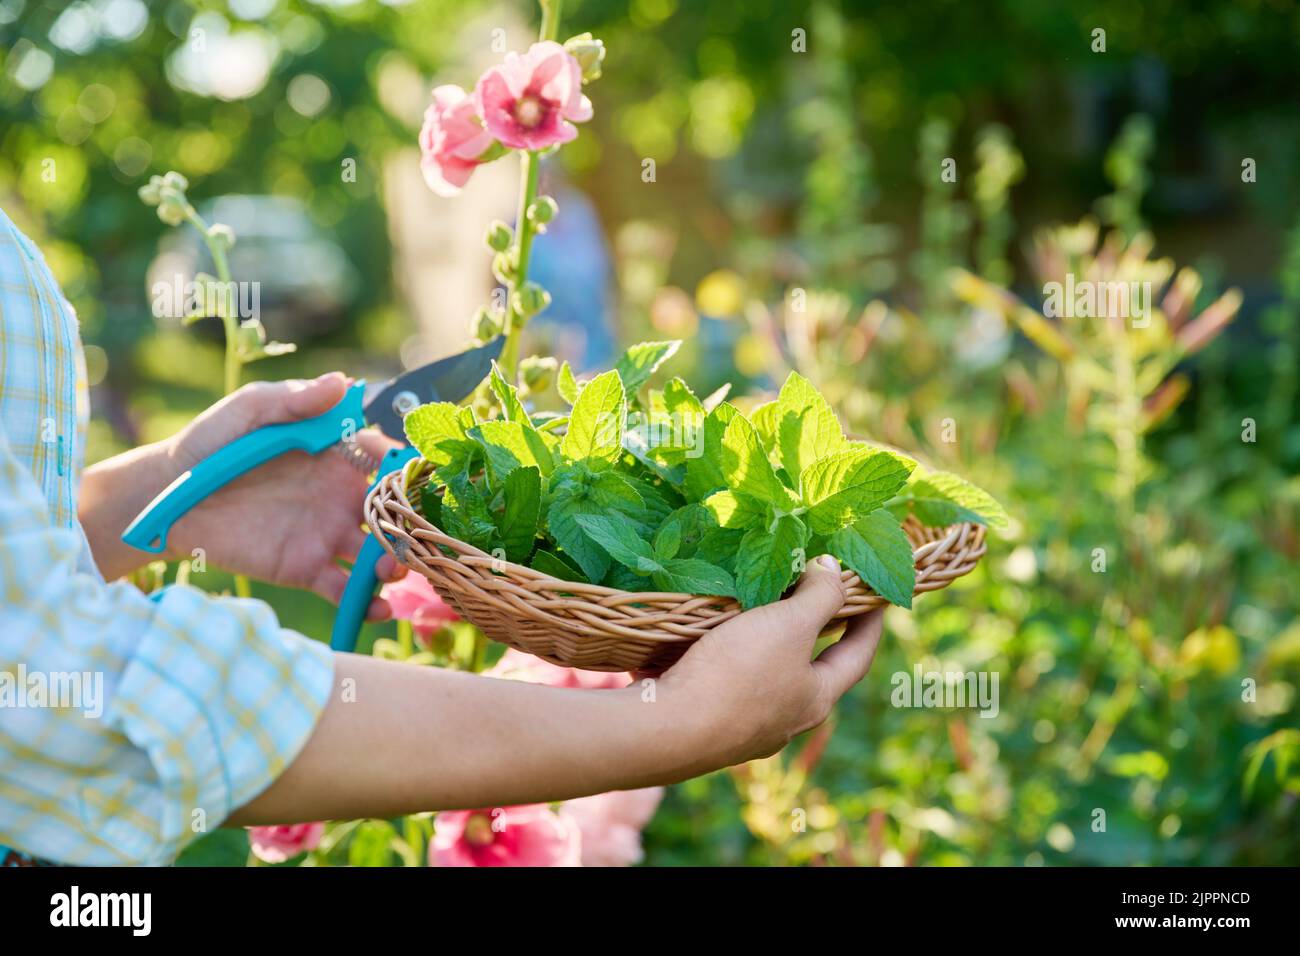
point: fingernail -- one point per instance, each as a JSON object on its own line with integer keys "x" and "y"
{"x": 829, "y": 562}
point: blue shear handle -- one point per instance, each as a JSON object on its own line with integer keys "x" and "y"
{"x": 363, "y": 580}
{"x": 148, "y": 531}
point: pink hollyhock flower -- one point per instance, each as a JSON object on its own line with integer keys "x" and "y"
{"x": 451, "y": 140}
{"x": 517, "y": 665}
{"x": 279, "y": 843}
{"x": 532, "y": 101}
{"x": 611, "y": 824}
{"x": 413, "y": 599}
{"x": 533, "y": 835}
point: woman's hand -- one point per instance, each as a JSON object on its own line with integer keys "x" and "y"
{"x": 285, "y": 522}
{"x": 753, "y": 678}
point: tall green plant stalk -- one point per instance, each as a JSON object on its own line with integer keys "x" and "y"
{"x": 525, "y": 224}
{"x": 244, "y": 342}
{"x": 233, "y": 364}
{"x": 229, "y": 320}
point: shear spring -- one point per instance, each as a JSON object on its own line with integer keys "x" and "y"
{"x": 356, "y": 456}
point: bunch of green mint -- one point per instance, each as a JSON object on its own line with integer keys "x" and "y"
{"x": 647, "y": 489}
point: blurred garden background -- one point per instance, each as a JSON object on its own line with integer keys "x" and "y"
{"x": 1142, "y": 613}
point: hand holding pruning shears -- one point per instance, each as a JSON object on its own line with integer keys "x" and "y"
{"x": 273, "y": 506}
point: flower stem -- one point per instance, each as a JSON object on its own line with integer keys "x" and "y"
{"x": 229, "y": 323}
{"x": 228, "y": 320}
{"x": 524, "y": 229}
{"x": 528, "y": 171}
{"x": 550, "y": 19}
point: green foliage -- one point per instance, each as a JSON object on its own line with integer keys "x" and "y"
{"x": 225, "y": 847}
{"x": 640, "y": 492}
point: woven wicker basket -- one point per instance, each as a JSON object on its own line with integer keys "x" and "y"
{"x": 590, "y": 626}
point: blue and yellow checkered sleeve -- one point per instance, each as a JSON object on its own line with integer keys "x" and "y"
{"x": 131, "y": 724}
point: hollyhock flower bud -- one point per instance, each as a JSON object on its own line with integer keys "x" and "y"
{"x": 590, "y": 54}
{"x": 542, "y": 210}
{"x": 530, "y": 300}
{"x": 452, "y": 141}
{"x": 171, "y": 210}
{"x": 222, "y": 234}
{"x": 503, "y": 267}
{"x": 486, "y": 325}
{"x": 538, "y": 372}
{"x": 498, "y": 236}
{"x": 531, "y": 101}
{"x": 150, "y": 193}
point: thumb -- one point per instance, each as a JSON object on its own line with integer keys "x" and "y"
{"x": 818, "y": 596}
{"x": 270, "y": 403}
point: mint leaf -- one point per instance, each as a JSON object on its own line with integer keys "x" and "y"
{"x": 720, "y": 546}
{"x": 693, "y": 576}
{"x": 427, "y": 425}
{"x": 517, "y": 525}
{"x": 546, "y": 422}
{"x": 566, "y": 505}
{"x": 566, "y": 385}
{"x": 680, "y": 400}
{"x": 657, "y": 502}
{"x": 431, "y": 506}
{"x": 508, "y": 396}
{"x": 624, "y": 579}
{"x": 855, "y": 465}
{"x": 877, "y": 550}
{"x": 595, "y": 432}
{"x": 556, "y": 566}
{"x": 668, "y": 541}
{"x": 747, "y": 470}
{"x": 620, "y": 542}
{"x": 466, "y": 515}
{"x": 684, "y": 528}
{"x": 618, "y": 492}
{"x": 849, "y": 485}
{"x": 652, "y": 443}
{"x": 574, "y": 491}
{"x": 731, "y": 510}
{"x": 767, "y": 560}
{"x": 510, "y": 445}
{"x": 939, "y": 498}
{"x": 640, "y": 362}
{"x": 767, "y": 422}
{"x": 704, "y": 471}
{"x": 808, "y": 429}
{"x": 437, "y": 431}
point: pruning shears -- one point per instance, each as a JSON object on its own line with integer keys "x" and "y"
{"x": 382, "y": 405}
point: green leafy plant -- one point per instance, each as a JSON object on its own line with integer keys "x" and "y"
{"x": 656, "y": 489}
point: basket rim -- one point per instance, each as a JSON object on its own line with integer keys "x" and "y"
{"x": 606, "y": 597}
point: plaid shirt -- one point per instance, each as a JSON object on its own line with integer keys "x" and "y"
{"x": 129, "y": 724}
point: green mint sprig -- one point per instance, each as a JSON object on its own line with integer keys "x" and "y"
{"x": 650, "y": 489}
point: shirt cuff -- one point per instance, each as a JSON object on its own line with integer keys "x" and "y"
{"x": 221, "y": 699}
